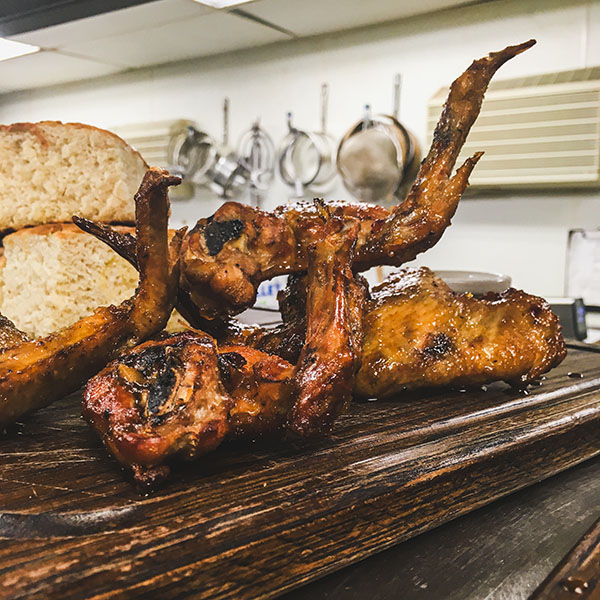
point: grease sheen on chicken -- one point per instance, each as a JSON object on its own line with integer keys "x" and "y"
{"x": 419, "y": 333}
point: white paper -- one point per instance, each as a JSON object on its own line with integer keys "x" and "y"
{"x": 583, "y": 266}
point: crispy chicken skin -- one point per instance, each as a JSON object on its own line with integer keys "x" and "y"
{"x": 419, "y": 333}
{"x": 261, "y": 387}
{"x": 160, "y": 399}
{"x": 330, "y": 356}
{"x": 35, "y": 373}
{"x": 226, "y": 256}
{"x": 180, "y": 397}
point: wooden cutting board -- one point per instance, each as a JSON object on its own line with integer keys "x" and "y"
{"x": 251, "y": 521}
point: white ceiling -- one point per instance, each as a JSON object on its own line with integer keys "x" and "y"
{"x": 171, "y": 30}
{"x": 311, "y": 17}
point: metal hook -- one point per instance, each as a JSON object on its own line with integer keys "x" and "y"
{"x": 225, "y": 121}
{"x": 367, "y": 117}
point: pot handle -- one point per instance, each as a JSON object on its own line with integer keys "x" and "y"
{"x": 396, "y": 99}
{"x": 324, "y": 103}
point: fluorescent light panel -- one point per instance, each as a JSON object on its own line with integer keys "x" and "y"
{"x": 10, "y": 49}
{"x": 222, "y": 3}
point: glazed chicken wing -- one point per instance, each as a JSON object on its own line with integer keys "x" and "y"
{"x": 35, "y": 373}
{"x": 226, "y": 256}
{"x": 180, "y": 397}
{"x": 419, "y": 333}
{"x": 330, "y": 356}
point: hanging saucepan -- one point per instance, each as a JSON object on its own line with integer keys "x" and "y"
{"x": 378, "y": 157}
{"x": 227, "y": 176}
{"x": 306, "y": 159}
{"x": 257, "y": 153}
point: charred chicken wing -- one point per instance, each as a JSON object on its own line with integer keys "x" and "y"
{"x": 226, "y": 256}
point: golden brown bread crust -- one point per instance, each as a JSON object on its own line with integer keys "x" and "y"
{"x": 36, "y": 130}
{"x": 419, "y": 333}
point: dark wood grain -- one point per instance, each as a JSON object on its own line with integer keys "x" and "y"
{"x": 502, "y": 551}
{"x": 578, "y": 574}
{"x": 250, "y": 522}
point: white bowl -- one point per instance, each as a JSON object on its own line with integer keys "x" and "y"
{"x": 475, "y": 282}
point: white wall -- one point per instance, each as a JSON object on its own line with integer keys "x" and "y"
{"x": 523, "y": 235}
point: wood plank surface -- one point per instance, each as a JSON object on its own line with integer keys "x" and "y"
{"x": 502, "y": 551}
{"x": 254, "y": 521}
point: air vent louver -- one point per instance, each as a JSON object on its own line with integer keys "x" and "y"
{"x": 541, "y": 131}
{"x": 151, "y": 140}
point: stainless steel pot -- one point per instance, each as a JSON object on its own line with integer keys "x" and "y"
{"x": 378, "y": 157}
{"x": 191, "y": 152}
{"x": 227, "y": 176}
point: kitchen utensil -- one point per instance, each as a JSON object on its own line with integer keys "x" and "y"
{"x": 378, "y": 157}
{"x": 191, "y": 152}
{"x": 306, "y": 159}
{"x": 227, "y": 176}
{"x": 475, "y": 282}
{"x": 572, "y": 315}
{"x": 257, "y": 154}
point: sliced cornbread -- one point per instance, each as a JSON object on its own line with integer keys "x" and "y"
{"x": 56, "y": 274}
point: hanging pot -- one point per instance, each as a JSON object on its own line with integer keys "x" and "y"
{"x": 378, "y": 157}
{"x": 226, "y": 175}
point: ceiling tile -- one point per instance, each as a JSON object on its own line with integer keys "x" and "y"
{"x": 47, "y": 68}
{"x": 201, "y": 36}
{"x": 137, "y": 18}
{"x": 311, "y": 17}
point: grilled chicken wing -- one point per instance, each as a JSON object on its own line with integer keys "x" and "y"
{"x": 226, "y": 256}
{"x": 179, "y": 397}
{"x": 182, "y": 396}
{"x": 35, "y": 373}
{"x": 419, "y": 333}
{"x": 330, "y": 356}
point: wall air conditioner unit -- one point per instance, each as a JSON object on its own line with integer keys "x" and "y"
{"x": 151, "y": 140}
{"x": 539, "y": 131}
